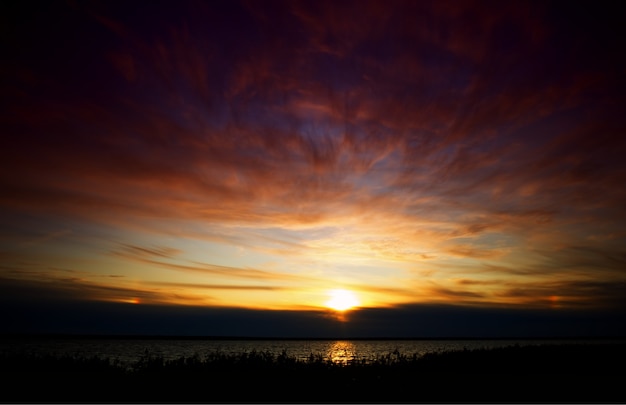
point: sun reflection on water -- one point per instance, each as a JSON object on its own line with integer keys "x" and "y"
{"x": 341, "y": 351}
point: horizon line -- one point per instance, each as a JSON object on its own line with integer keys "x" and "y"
{"x": 4, "y": 336}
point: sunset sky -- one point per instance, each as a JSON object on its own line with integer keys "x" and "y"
{"x": 259, "y": 155}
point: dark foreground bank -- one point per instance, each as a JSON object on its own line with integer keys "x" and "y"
{"x": 551, "y": 373}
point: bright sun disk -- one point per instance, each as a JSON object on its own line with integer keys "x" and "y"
{"x": 341, "y": 300}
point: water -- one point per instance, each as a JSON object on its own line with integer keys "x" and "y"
{"x": 129, "y": 351}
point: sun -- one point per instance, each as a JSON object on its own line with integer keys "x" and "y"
{"x": 341, "y": 300}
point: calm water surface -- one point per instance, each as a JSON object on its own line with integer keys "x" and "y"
{"x": 129, "y": 351}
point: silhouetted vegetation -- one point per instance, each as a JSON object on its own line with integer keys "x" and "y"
{"x": 548, "y": 373}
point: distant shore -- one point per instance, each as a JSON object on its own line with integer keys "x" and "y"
{"x": 545, "y": 373}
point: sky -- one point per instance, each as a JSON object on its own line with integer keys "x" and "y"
{"x": 225, "y": 167}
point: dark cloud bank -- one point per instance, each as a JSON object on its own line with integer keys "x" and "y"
{"x": 420, "y": 321}
{"x": 28, "y": 312}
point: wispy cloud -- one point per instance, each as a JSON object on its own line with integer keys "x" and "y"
{"x": 51, "y": 288}
{"x": 145, "y": 255}
{"x": 163, "y": 252}
{"x": 218, "y": 286}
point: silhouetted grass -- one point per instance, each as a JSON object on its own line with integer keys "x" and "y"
{"x": 548, "y": 373}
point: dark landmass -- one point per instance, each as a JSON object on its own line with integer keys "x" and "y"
{"x": 573, "y": 373}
